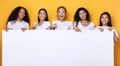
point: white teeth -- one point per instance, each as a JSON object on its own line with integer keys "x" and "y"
{"x": 61, "y": 16}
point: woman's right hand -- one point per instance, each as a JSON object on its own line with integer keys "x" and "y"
{"x": 76, "y": 29}
{"x": 35, "y": 26}
{"x": 49, "y": 28}
{"x": 23, "y": 29}
{"x": 101, "y": 29}
{"x": 54, "y": 26}
{"x": 110, "y": 29}
{"x": 6, "y": 29}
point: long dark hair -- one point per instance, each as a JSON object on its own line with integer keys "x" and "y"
{"x": 109, "y": 21}
{"x": 46, "y": 18}
{"x": 14, "y": 14}
{"x": 77, "y": 18}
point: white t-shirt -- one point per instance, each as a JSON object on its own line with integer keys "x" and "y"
{"x": 106, "y": 28}
{"x": 81, "y": 27}
{"x": 44, "y": 26}
{"x": 66, "y": 25}
{"x": 15, "y": 25}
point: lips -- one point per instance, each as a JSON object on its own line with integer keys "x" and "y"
{"x": 21, "y": 16}
{"x": 61, "y": 16}
{"x": 83, "y": 17}
{"x": 104, "y": 21}
{"x": 42, "y": 17}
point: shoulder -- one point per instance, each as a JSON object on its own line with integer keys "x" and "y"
{"x": 103, "y": 27}
{"x": 97, "y": 27}
{"x": 25, "y": 22}
{"x": 11, "y": 22}
{"x": 35, "y": 23}
{"x": 91, "y": 23}
{"x": 55, "y": 21}
{"x": 69, "y": 22}
{"x": 46, "y": 22}
{"x": 114, "y": 29}
{"x": 74, "y": 22}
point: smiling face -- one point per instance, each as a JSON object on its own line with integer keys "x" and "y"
{"x": 42, "y": 15}
{"x": 104, "y": 19}
{"x": 82, "y": 15}
{"x": 21, "y": 14}
{"x": 61, "y": 14}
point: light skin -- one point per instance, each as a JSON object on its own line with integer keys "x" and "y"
{"x": 61, "y": 14}
{"x": 84, "y": 22}
{"x": 82, "y": 15}
{"x": 104, "y": 20}
{"x": 42, "y": 16}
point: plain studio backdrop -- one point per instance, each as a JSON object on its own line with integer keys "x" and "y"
{"x": 95, "y": 8}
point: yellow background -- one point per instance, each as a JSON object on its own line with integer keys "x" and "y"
{"x": 95, "y": 8}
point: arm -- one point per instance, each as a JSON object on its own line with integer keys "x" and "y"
{"x": 26, "y": 27}
{"x": 76, "y": 27}
{"x": 34, "y": 26}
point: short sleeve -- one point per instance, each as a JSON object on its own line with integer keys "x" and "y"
{"x": 27, "y": 26}
{"x": 92, "y": 26}
{"x": 116, "y": 33}
{"x": 71, "y": 25}
{"x": 96, "y": 28}
{"x": 10, "y": 25}
{"x": 48, "y": 24}
{"x": 54, "y": 22}
{"x": 74, "y": 24}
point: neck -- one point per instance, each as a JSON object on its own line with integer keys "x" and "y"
{"x": 41, "y": 21}
{"x": 19, "y": 20}
{"x": 105, "y": 25}
{"x": 84, "y": 20}
{"x": 61, "y": 20}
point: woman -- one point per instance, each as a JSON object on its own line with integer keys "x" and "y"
{"x": 18, "y": 19}
{"x": 82, "y": 20}
{"x": 43, "y": 21}
{"x": 61, "y": 23}
{"x": 105, "y": 24}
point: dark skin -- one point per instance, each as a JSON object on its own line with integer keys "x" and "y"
{"x": 19, "y": 19}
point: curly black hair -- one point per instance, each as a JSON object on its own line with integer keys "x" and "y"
{"x": 109, "y": 22}
{"x": 14, "y": 14}
{"x": 77, "y": 18}
{"x": 46, "y": 18}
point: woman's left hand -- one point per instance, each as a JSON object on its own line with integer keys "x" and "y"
{"x": 110, "y": 29}
{"x": 23, "y": 29}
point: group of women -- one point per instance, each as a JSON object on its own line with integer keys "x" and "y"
{"x": 19, "y": 20}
